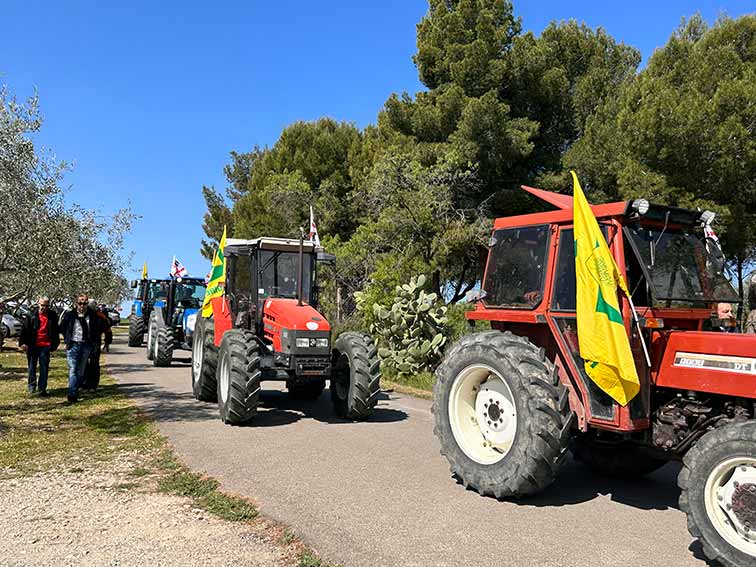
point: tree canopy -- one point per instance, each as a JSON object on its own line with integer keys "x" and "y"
{"x": 415, "y": 192}
{"x": 46, "y": 246}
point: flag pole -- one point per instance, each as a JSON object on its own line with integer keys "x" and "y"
{"x": 640, "y": 332}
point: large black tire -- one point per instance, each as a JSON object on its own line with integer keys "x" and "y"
{"x": 355, "y": 376}
{"x": 238, "y": 377}
{"x": 712, "y": 451}
{"x": 151, "y": 334}
{"x": 165, "y": 343}
{"x": 204, "y": 361}
{"x": 136, "y": 330}
{"x": 543, "y": 419}
{"x": 620, "y": 461}
{"x": 306, "y": 391}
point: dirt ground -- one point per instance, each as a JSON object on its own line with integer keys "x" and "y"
{"x": 105, "y": 516}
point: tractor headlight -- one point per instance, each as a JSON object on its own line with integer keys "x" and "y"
{"x": 640, "y": 206}
{"x": 303, "y": 342}
{"x": 191, "y": 321}
{"x": 322, "y": 343}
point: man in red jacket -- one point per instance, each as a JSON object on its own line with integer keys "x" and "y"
{"x": 39, "y": 337}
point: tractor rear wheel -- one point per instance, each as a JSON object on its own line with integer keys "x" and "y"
{"x": 718, "y": 482}
{"x": 502, "y": 416}
{"x": 620, "y": 461}
{"x": 204, "y": 361}
{"x": 306, "y": 391}
{"x": 164, "y": 343}
{"x": 355, "y": 376}
{"x": 136, "y": 331}
{"x": 238, "y": 376}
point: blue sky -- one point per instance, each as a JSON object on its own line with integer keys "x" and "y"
{"x": 148, "y": 98}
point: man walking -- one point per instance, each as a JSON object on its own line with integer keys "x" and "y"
{"x": 39, "y": 337}
{"x": 81, "y": 329}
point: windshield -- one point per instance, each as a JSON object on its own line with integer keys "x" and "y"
{"x": 278, "y": 274}
{"x": 190, "y": 295}
{"x": 157, "y": 290}
{"x": 681, "y": 270}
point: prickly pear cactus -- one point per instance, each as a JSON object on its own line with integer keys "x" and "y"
{"x": 410, "y": 334}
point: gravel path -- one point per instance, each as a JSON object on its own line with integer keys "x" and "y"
{"x": 106, "y": 516}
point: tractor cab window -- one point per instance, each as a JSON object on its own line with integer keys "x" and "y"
{"x": 277, "y": 275}
{"x": 516, "y": 267}
{"x": 157, "y": 291}
{"x": 564, "y": 295}
{"x": 189, "y": 295}
{"x": 682, "y": 269}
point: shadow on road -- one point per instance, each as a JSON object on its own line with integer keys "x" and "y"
{"x": 577, "y": 484}
{"x": 163, "y": 405}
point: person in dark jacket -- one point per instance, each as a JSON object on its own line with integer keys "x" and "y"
{"x": 82, "y": 330}
{"x": 91, "y": 378}
{"x": 39, "y": 337}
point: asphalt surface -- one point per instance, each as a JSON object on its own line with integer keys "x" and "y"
{"x": 378, "y": 493}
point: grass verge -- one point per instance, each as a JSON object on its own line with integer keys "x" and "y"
{"x": 38, "y": 434}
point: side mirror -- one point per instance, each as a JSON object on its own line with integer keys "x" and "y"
{"x": 134, "y": 284}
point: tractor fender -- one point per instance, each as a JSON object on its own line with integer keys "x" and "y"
{"x": 136, "y": 307}
{"x": 189, "y": 321}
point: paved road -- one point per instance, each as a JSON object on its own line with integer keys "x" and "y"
{"x": 379, "y": 494}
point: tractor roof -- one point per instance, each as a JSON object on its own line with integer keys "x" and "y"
{"x": 563, "y": 214}
{"x": 270, "y": 243}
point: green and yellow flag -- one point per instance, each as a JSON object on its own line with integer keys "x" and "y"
{"x": 604, "y": 345}
{"x": 144, "y": 271}
{"x": 216, "y": 279}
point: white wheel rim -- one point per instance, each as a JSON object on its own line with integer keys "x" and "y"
{"x": 155, "y": 347}
{"x": 149, "y": 337}
{"x": 482, "y": 414}
{"x": 225, "y": 377}
{"x": 723, "y": 497}
{"x": 197, "y": 354}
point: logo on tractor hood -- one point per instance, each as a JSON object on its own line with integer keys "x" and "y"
{"x": 738, "y": 364}
{"x": 311, "y": 325}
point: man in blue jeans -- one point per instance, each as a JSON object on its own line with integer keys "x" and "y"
{"x": 39, "y": 337}
{"x": 82, "y": 331}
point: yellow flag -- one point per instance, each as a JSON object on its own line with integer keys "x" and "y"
{"x": 216, "y": 278}
{"x": 144, "y": 271}
{"x": 604, "y": 345}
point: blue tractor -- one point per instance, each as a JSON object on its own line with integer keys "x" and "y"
{"x": 171, "y": 323}
{"x": 149, "y": 293}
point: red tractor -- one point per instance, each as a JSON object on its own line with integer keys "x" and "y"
{"x": 266, "y": 327}
{"x": 510, "y": 402}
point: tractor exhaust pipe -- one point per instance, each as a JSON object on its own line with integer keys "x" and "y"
{"x": 300, "y": 268}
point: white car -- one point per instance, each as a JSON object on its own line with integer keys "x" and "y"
{"x": 11, "y": 327}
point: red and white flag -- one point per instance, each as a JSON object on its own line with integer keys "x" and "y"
{"x": 313, "y": 229}
{"x": 177, "y": 268}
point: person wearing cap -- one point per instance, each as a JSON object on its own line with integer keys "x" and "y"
{"x": 39, "y": 337}
{"x": 81, "y": 329}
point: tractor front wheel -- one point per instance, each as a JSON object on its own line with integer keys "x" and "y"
{"x": 204, "y": 361}
{"x": 718, "y": 482}
{"x": 164, "y": 342}
{"x": 136, "y": 331}
{"x": 238, "y": 376}
{"x": 355, "y": 376}
{"x": 151, "y": 334}
{"x": 502, "y": 416}
{"x": 306, "y": 391}
{"x": 619, "y": 461}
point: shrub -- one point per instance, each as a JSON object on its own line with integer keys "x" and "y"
{"x": 411, "y": 333}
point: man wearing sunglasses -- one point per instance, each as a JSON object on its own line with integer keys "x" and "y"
{"x": 82, "y": 331}
{"x": 39, "y": 337}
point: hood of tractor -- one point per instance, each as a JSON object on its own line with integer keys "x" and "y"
{"x": 289, "y": 315}
{"x": 284, "y": 321}
{"x": 717, "y": 363}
